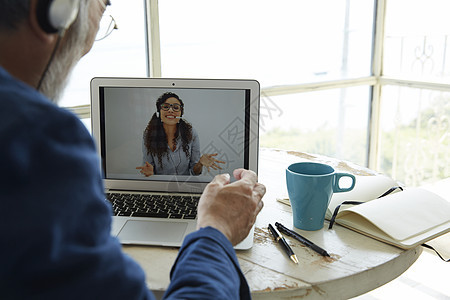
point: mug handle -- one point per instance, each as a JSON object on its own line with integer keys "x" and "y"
{"x": 337, "y": 178}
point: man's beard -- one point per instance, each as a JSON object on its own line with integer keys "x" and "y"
{"x": 70, "y": 51}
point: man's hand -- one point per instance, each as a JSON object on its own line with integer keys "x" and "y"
{"x": 146, "y": 169}
{"x": 231, "y": 207}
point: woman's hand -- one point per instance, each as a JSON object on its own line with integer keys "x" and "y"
{"x": 146, "y": 169}
{"x": 209, "y": 161}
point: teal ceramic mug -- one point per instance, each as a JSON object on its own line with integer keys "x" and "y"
{"x": 310, "y": 187}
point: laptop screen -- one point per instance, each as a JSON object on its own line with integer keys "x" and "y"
{"x": 215, "y": 118}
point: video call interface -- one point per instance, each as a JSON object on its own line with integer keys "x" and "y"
{"x": 218, "y": 116}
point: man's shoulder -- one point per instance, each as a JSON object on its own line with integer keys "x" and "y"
{"x": 24, "y": 107}
{"x": 14, "y": 90}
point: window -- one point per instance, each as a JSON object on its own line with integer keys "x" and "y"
{"x": 417, "y": 40}
{"x": 282, "y": 44}
{"x": 123, "y": 53}
{"x": 330, "y": 122}
{"x": 415, "y": 136}
{"x": 415, "y": 98}
{"x": 287, "y": 42}
{"x": 361, "y": 80}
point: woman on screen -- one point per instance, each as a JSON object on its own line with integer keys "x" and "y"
{"x": 171, "y": 145}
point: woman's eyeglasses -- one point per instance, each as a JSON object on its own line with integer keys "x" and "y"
{"x": 167, "y": 106}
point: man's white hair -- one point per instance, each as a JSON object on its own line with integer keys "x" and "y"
{"x": 67, "y": 56}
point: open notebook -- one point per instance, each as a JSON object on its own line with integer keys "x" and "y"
{"x": 405, "y": 219}
{"x": 224, "y": 115}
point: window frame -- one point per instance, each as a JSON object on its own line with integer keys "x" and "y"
{"x": 376, "y": 80}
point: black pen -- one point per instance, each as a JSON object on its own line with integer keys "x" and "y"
{"x": 302, "y": 239}
{"x": 278, "y": 237}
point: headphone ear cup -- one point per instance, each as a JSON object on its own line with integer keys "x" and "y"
{"x": 56, "y": 15}
{"x": 157, "y": 114}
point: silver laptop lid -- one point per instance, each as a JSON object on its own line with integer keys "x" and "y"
{"x": 223, "y": 113}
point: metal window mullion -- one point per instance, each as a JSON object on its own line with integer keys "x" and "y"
{"x": 153, "y": 38}
{"x": 317, "y": 86}
{"x": 428, "y": 85}
{"x": 377, "y": 71}
{"x": 82, "y": 111}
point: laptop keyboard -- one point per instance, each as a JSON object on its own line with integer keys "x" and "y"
{"x": 154, "y": 206}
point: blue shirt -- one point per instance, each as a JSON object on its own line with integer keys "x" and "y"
{"x": 175, "y": 162}
{"x": 55, "y": 226}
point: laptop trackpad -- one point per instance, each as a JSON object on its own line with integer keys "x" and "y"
{"x": 148, "y": 231}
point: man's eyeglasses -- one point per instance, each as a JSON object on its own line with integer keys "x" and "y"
{"x": 107, "y": 23}
{"x": 167, "y": 106}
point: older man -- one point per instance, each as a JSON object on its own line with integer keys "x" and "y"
{"x": 55, "y": 238}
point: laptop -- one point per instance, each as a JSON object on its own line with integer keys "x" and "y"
{"x": 223, "y": 114}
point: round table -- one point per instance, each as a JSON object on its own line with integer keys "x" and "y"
{"x": 357, "y": 264}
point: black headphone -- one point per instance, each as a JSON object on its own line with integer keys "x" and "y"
{"x": 56, "y": 15}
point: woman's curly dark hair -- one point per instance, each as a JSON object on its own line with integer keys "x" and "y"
{"x": 155, "y": 139}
